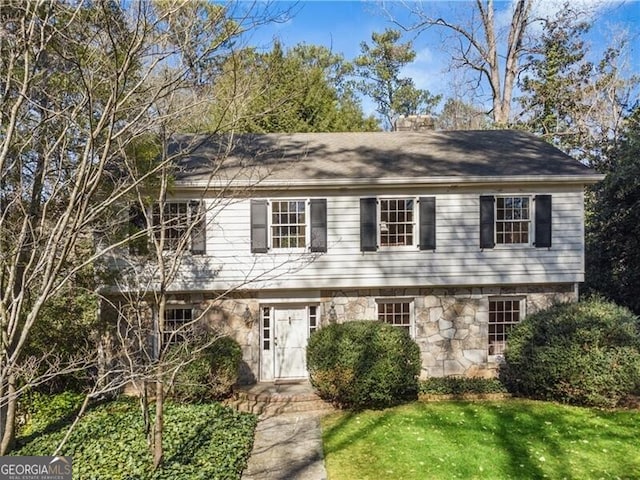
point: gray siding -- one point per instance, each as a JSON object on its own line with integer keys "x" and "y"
{"x": 457, "y": 259}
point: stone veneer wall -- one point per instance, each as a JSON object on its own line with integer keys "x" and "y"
{"x": 224, "y": 316}
{"x": 451, "y": 325}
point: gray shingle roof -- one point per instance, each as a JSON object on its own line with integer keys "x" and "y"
{"x": 323, "y": 157}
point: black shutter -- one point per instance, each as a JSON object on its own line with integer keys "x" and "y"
{"x": 487, "y": 222}
{"x": 137, "y": 223}
{"x": 368, "y": 225}
{"x": 259, "y": 228}
{"x": 543, "y": 221}
{"x": 199, "y": 230}
{"x": 427, "y": 223}
{"x": 319, "y": 225}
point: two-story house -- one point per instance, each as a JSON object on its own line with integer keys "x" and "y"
{"x": 454, "y": 236}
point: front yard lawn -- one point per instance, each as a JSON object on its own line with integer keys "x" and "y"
{"x": 516, "y": 439}
{"x": 206, "y": 441}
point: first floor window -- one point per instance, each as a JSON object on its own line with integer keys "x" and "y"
{"x": 266, "y": 328}
{"x": 313, "y": 319}
{"x": 176, "y": 323}
{"x": 504, "y": 314}
{"x": 288, "y": 224}
{"x": 396, "y": 313}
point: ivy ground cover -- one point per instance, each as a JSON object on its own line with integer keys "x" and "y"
{"x": 513, "y": 439}
{"x": 205, "y": 441}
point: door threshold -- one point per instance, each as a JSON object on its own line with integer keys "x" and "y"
{"x": 291, "y": 381}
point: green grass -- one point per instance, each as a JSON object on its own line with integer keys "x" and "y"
{"x": 206, "y": 441}
{"x": 515, "y": 439}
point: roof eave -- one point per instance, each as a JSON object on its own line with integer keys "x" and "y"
{"x": 341, "y": 183}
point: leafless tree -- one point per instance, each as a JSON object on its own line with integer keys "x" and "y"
{"x": 82, "y": 84}
{"x": 480, "y": 44}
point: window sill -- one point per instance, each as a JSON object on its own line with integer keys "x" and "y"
{"x": 289, "y": 251}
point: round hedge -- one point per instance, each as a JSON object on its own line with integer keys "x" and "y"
{"x": 210, "y": 375}
{"x": 585, "y": 353}
{"x": 363, "y": 364}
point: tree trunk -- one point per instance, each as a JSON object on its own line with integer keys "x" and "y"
{"x": 9, "y": 416}
{"x": 158, "y": 428}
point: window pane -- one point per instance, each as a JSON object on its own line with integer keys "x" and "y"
{"x": 512, "y": 220}
{"x": 503, "y": 316}
{"x": 288, "y": 229}
{"x": 175, "y": 327}
{"x": 395, "y": 313}
{"x": 396, "y": 217}
{"x": 174, "y": 223}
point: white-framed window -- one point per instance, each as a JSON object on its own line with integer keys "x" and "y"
{"x": 267, "y": 327}
{"x": 513, "y": 220}
{"x": 313, "y": 319}
{"x": 288, "y": 224}
{"x": 396, "y": 312}
{"x": 504, "y": 314}
{"x": 183, "y": 224}
{"x": 397, "y": 222}
{"x": 176, "y": 324}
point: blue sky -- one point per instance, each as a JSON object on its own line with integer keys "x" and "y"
{"x": 343, "y": 25}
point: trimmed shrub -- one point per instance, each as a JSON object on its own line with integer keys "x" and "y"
{"x": 585, "y": 353}
{"x": 363, "y": 364}
{"x": 461, "y": 386}
{"x": 211, "y": 374}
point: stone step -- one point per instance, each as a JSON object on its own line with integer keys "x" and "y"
{"x": 262, "y": 408}
{"x": 270, "y": 402}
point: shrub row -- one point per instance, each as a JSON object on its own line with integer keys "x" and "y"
{"x": 461, "y": 386}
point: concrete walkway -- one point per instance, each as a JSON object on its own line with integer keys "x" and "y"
{"x": 287, "y": 446}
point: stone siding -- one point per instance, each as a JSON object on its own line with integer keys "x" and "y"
{"x": 451, "y": 325}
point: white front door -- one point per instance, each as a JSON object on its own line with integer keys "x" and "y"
{"x": 290, "y": 342}
{"x": 290, "y": 335}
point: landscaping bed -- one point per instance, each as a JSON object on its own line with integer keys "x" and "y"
{"x": 204, "y": 441}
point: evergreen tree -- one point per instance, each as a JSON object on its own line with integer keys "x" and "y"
{"x": 574, "y": 103}
{"x": 379, "y": 67}
{"x": 300, "y": 90}
{"x": 613, "y": 222}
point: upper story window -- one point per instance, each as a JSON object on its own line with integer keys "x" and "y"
{"x": 289, "y": 224}
{"x": 183, "y": 225}
{"x": 513, "y": 219}
{"x": 397, "y": 313}
{"x": 174, "y": 222}
{"x": 397, "y": 222}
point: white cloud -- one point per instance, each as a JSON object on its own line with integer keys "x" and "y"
{"x": 545, "y": 9}
{"x": 425, "y": 70}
